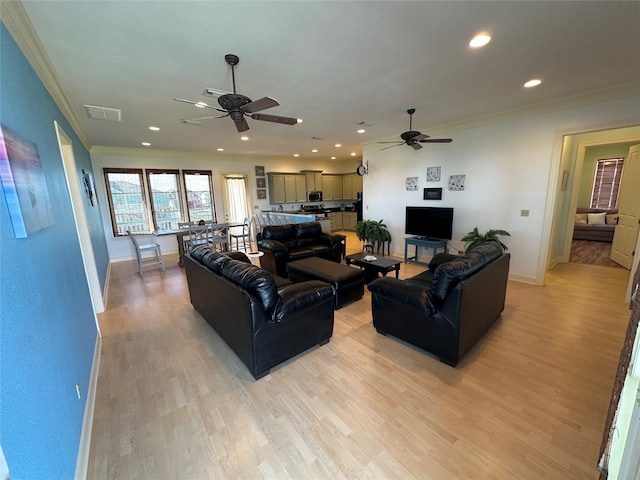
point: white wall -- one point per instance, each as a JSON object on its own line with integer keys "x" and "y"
{"x": 510, "y": 165}
{"x": 120, "y": 248}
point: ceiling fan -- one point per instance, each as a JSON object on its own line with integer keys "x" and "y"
{"x": 238, "y": 106}
{"x": 414, "y": 138}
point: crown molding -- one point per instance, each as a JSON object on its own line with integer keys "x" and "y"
{"x": 15, "y": 18}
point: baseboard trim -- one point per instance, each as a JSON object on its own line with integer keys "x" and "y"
{"x": 82, "y": 461}
{"x": 105, "y": 294}
{"x": 523, "y": 278}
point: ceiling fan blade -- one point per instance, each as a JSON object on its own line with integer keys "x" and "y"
{"x": 415, "y": 146}
{"x": 241, "y": 124}
{"x": 197, "y": 119}
{"x": 260, "y": 104}
{"x": 420, "y": 138}
{"x": 274, "y": 119}
{"x": 437, "y": 140}
{"x": 391, "y": 146}
{"x": 200, "y": 104}
{"x": 399, "y": 143}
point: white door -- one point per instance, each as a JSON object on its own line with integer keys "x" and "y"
{"x": 626, "y": 234}
{"x": 237, "y": 200}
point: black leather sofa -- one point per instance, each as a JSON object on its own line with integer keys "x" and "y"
{"x": 265, "y": 320}
{"x": 282, "y": 244}
{"x": 446, "y": 309}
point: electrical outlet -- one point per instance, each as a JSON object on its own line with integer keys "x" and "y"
{"x": 78, "y": 390}
{"x": 524, "y": 213}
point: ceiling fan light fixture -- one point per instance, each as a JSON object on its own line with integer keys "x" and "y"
{"x": 480, "y": 40}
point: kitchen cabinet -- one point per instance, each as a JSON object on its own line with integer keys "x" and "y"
{"x": 287, "y": 188}
{"x": 352, "y": 184}
{"x": 349, "y": 221}
{"x": 331, "y": 187}
{"x": 314, "y": 181}
{"x": 336, "y": 220}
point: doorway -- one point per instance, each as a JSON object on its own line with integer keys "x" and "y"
{"x": 80, "y": 217}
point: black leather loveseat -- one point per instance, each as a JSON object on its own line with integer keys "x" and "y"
{"x": 448, "y": 308}
{"x": 263, "y": 319}
{"x": 282, "y": 244}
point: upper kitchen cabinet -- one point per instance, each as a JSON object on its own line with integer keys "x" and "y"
{"x": 287, "y": 187}
{"x": 314, "y": 181}
{"x": 352, "y": 184}
{"x": 331, "y": 187}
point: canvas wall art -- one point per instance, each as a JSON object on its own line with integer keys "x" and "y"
{"x": 24, "y": 184}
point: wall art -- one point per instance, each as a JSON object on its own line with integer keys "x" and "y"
{"x": 432, "y": 194}
{"x": 261, "y": 183}
{"x": 456, "y": 182}
{"x": 259, "y": 171}
{"x": 262, "y": 194}
{"x": 24, "y": 184}
{"x": 411, "y": 183}
{"x": 433, "y": 174}
{"x": 89, "y": 188}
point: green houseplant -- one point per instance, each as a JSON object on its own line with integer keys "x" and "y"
{"x": 373, "y": 233}
{"x": 475, "y": 238}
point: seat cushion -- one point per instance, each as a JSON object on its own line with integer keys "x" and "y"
{"x": 299, "y": 253}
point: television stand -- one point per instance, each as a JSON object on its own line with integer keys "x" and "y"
{"x": 428, "y": 242}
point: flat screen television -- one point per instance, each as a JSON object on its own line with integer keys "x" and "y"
{"x": 429, "y": 222}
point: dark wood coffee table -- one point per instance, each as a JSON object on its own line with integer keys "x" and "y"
{"x": 371, "y": 269}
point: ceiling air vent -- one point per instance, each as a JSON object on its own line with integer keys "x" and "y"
{"x": 366, "y": 124}
{"x": 104, "y": 113}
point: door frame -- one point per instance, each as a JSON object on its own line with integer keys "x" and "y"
{"x": 80, "y": 220}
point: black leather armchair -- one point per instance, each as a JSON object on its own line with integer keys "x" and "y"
{"x": 263, "y": 319}
{"x": 282, "y": 244}
{"x": 448, "y": 308}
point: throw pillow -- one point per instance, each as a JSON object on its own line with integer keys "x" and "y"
{"x": 611, "y": 219}
{"x": 595, "y": 218}
{"x": 581, "y": 218}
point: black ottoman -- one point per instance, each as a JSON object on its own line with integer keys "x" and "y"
{"x": 347, "y": 282}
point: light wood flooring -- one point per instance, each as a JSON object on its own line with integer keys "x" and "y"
{"x": 529, "y": 402}
{"x": 592, "y": 253}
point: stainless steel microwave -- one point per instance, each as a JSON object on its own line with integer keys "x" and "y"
{"x": 314, "y": 196}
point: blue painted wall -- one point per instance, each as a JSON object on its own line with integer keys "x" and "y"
{"x": 47, "y": 330}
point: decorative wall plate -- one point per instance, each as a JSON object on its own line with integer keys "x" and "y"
{"x": 411, "y": 183}
{"x": 456, "y": 182}
{"x": 433, "y": 174}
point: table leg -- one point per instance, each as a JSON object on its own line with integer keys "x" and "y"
{"x": 397, "y": 270}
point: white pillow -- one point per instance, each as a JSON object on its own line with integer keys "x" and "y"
{"x": 596, "y": 218}
{"x": 611, "y": 219}
{"x": 581, "y": 218}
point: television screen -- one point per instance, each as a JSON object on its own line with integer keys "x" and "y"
{"x": 429, "y": 222}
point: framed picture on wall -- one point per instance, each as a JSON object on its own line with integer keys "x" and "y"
{"x": 259, "y": 171}
{"x": 262, "y": 194}
{"x": 261, "y": 182}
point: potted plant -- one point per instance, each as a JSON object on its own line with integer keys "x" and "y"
{"x": 373, "y": 233}
{"x": 475, "y": 238}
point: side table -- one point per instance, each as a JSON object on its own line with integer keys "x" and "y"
{"x": 254, "y": 256}
{"x": 422, "y": 242}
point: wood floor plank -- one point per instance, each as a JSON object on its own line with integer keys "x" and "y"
{"x": 528, "y": 402}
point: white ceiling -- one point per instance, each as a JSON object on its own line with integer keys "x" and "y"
{"x": 334, "y": 64}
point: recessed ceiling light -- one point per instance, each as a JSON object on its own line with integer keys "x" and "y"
{"x": 200, "y": 104}
{"x": 315, "y": 150}
{"x": 338, "y": 145}
{"x": 244, "y": 138}
{"x": 299, "y": 120}
{"x": 296, "y": 154}
{"x": 480, "y": 40}
{"x": 333, "y": 158}
{"x": 534, "y": 82}
{"x": 353, "y": 154}
{"x": 361, "y": 130}
{"x": 220, "y": 149}
{"x": 155, "y": 129}
{"x": 146, "y": 144}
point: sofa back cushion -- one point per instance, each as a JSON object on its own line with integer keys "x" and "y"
{"x": 308, "y": 233}
{"x": 449, "y": 274}
{"x": 255, "y": 280}
{"x": 281, "y": 233}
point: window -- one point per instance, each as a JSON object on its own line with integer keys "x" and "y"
{"x": 126, "y": 200}
{"x": 606, "y": 183}
{"x": 166, "y": 207}
{"x": 199, "y": 195}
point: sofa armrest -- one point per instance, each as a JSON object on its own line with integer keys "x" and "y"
{"x": 272, "y": 246}
{"x": 331, "y": 238}
{"x": 298, "y": 297}
{"x": 414, "y": 295}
